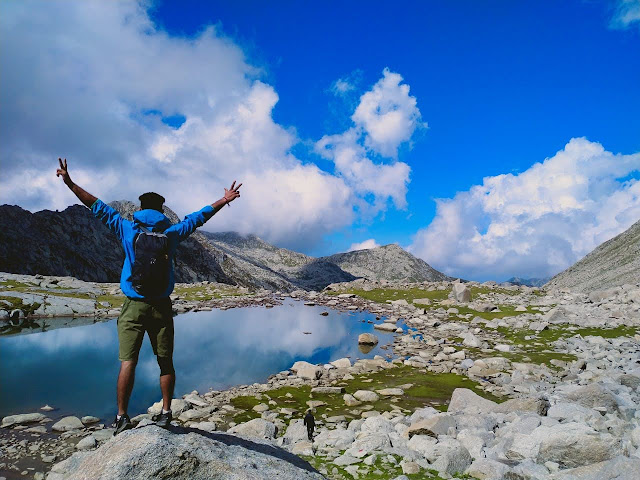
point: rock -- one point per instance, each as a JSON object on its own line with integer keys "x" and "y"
{"x": 256, "y": 428}
{"x": 367, "y": 339}
{"x": 261, "y": 407}
{"x": 467, "y": 401}
{"x": 89, "y": 420}
{"x": 594, "y": 395}
{"x": 152, "y": 452}
{"x": 391, "y": 391}
{"x": 346, "y": 459}
{"x": 539, "y": 406}
{"x": 618, "y": 468}
{"x": 328, "y": 390}
{"x": 304, "y": 447}
{"x": 368, "y": 443}
{"x": 87, "y": 443}
{"x": 502, "y": 348}
{"x": 307, "y": 370}
{"x": 423, "y": 444}
{"x": 436, "y": 425}
{"x": 342, "y": 362}
{"x": 366, "y": 396}
{"x": 178, "y": 406}
{"x": 451, "y": 457}
{"x": 461, "y": 292}
{"x": 296, "y": 432}
{"x": 196, "y": 400}
{"x": 410, "y": 468}
{"x": 350, "y": 400}
{"x": 67, "y": 424}
{"x": 194, "y": 414}
{"x": 47, "y": 408}
{"x": 205, "y": 426}
{"x": 470, "y": 340}
{"x": 385, "y": 327}
{"x": 22, "y": 419}
{"x": 487, "y": 469}
{"x": 422, "y": 301}
{"x": 574, "y": 445}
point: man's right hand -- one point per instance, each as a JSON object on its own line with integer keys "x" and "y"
{"x": 64, "y": 172}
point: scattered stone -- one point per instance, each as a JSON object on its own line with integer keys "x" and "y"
{"x": 22, "y": 419}
{"x": 67, "y": 424}
{"x": 366, "y": 396}
{"x": 367, "y": 339}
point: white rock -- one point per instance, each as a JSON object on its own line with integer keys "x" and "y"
{"x": 366, "y": 396}
{"x": 67, "y": 424}
{"x": 307, "y": 370}
{"x": 257, "y": 428}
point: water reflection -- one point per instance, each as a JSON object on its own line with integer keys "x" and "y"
{"x": 75, "y": 368}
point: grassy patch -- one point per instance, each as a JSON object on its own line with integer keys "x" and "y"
{"x": 428, "y": 389}
{"x": 16, "y": 303}
{"x": 14, "y": 284}
{"x": 505, "y": 311}
{"x": 381, "y": 295}
{"x": 475, "y": 290}
{"x": 206, "y": 292}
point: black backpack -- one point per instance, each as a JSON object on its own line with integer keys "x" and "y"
{"x": 151, "y": 266}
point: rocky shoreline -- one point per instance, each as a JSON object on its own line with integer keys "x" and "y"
{"x": 553, "y": 386}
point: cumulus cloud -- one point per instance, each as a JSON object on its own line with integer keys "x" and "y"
{"x": 538, "y": 222}
{"x": 97, "y": 81}
{"x": 385, "y": 118}
{"x": 626, "y": 12}
{"x": 366, "y": 245}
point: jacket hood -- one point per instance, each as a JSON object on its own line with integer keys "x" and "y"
{"x": 152, "y": 219}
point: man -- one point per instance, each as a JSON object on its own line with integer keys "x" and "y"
{"x": 310, "y": 422}
{"x": 147, "y": 307}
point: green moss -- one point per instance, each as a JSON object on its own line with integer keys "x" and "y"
{"x": 475, "y": 290}
{"x": 13, "y": 284}
{"x": 381, "y": 295}
{"x": 16, "y": 303}
{"x": 505, "y": 311}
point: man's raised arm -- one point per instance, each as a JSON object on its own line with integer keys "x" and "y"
{"x": 84, "y": 196}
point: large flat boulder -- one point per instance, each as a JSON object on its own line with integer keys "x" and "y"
{"x": 181, "y": 454}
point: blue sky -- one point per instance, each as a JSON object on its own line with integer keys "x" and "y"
{"x": 501, "y": 85}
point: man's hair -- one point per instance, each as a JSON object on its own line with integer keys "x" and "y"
{"x": 151, "y": 200}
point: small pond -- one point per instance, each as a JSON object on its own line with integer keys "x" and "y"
{"x": 74, "y": 369}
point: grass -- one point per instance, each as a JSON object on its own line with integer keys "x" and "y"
{"x": 206, "y": 292}
{"x": 428, "y": 389}
{"x": 16, "y": 303}
{"x": 381, "y": 295}
{"x": 505, "y": 311}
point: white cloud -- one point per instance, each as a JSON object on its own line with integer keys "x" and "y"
{"x": 366, "y": 245}
{"x": 388, "y": 115}
{"x": 626, "y": 13}
{"x": 538, "y": 222}
{"x": 385, "y": 118}
{"x": 341, "y": 87}
{"x": 86, "y": 80}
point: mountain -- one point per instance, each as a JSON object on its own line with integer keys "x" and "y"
{"x": 529, "y": 282}
{"x": 389, "y": 262}
{"x": 613, "y": 263}
{"x": 74, "y": 243}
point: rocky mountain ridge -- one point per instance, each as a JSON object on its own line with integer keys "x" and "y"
{"x": 614, "y": 263}
{"x": 73, "y": 243}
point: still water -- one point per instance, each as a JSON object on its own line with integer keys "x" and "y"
{"x": 74, "y": 369}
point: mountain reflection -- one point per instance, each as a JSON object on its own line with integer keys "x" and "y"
{"x": 75, "y": 368}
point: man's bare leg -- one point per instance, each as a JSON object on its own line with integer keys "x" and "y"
{"x": 167, "y": 383}
{"x": 126, "y": 377}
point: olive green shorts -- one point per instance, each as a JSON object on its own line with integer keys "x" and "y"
{"x": 138, "y": 317}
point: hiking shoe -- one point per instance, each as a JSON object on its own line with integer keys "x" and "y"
{"x": 123, "y": 424}
{"x": 163, "y": 420}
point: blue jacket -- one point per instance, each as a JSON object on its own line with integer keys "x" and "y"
{"x": 152, "y": 220}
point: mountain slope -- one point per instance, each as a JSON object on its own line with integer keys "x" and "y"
{"x": 613, "y": 263}
{"x": 74, "y": 243}
{"x": 389, "y": 262}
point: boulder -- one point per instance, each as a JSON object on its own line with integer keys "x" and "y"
{"x": 328, "y": 390}
{"x": 385, "y": 327}
{"x": 618, "y": 468}
{"x": 296, "y": 432}
{"x": 307, "y": 370}
{"x": 467, "y": 401}
{"x": 341, "y": 363}
{"x": 67, "y": 424}
{"x": 461, "y": 292}
{"x": 86, "y": 443}
{"x": 22, "y": 419}
{"x": 391, "y": 391}
{"x": 366, "y": 396}
{"x": 451, "y": 457}
{"x": 256, "y": 428}
{"x": 433, "y": 426}
{"x": 539, "y": 406}
{"x": 487, "y": 469}
{"x": 367, "y": 339}
{"x": 594, "y": 395}
{"x": 178, "y": 406}
{"x": 155, "y": 453}
{"x": 470, "y": 340}
{"x": 350, "y": 400}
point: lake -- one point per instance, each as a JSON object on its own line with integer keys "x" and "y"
{"x": 74, "y": 369}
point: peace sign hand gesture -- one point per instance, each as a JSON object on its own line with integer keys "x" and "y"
{"x": 64, "y": 172}
{"x": 232, "y": 193}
